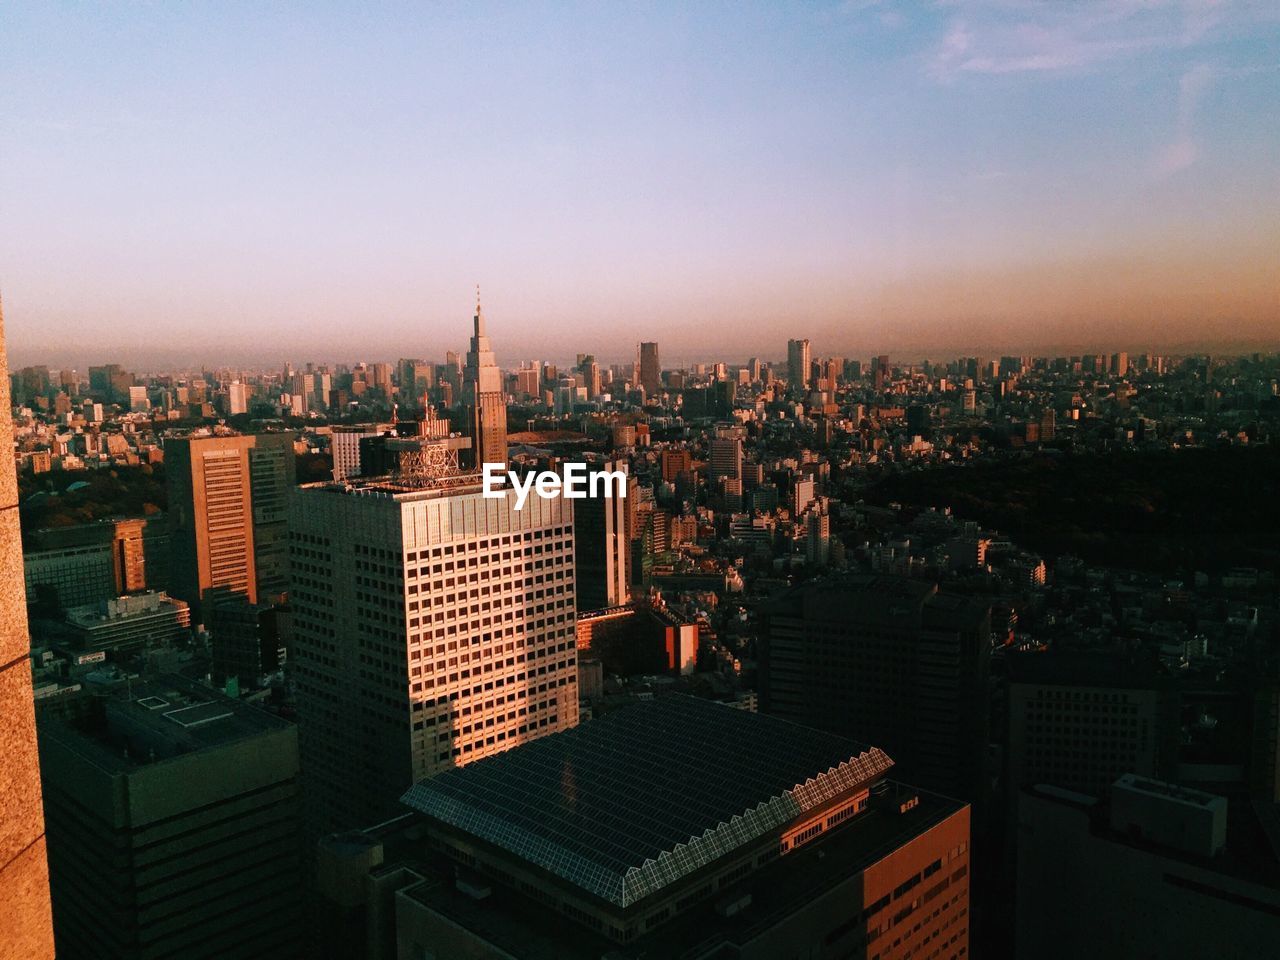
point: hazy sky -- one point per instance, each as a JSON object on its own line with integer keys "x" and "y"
{"x": 203, "y": 182}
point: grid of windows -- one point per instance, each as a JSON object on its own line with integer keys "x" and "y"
{"x": 432, "y": 628}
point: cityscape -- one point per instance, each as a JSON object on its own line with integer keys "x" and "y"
{"x": 543, "y": 627}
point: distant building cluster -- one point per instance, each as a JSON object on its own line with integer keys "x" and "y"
{"x": 302, "y": 689}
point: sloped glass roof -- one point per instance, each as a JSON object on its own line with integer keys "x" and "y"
{"x": 626, "y": 804}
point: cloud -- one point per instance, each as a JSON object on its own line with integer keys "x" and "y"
{"x": 993, "y": 37}
{"x": 1184, "y": 150}
{"x": 1199, "y": 17}
{"x": 955, "y": 45}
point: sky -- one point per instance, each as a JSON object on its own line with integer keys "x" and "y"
{"x": 233, "y": 183}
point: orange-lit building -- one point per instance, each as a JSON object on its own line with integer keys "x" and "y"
{"x": 228, "y": 503}
{"x": 432, "y": 626}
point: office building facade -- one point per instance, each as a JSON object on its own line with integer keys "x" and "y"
{"x": 173, "y": 826}
{"x": 798, "y": 365}
{"x": 650, "y": 370}
{"x": 1154, "y": 870}
{"x": 90, "y": 563}
{"x": 228, "y": 502}
{"x": 432, "y": 626}
{"x": 1079, "y": 720}
{"x": 602, "y": 548}
{"x": 888, "y": 660}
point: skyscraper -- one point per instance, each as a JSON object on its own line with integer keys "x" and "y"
{"x": 888, "y": 659}
{"x": 650, "y": 370}
{"x": 227, "y": 517}
{"x": 602, "y": 548}
{"x": 72, "y": 566}
{"x": 173, "y": 825}
{"x": 344, "y": 447}
{"x": 483, "y": 397}
{"x": 725, "y": 458}
{"x": 237, "y": 398}
{"x": 879, "y": 371}
{"x": 1147, "y": 869}
{"x": 25, "y": 926}
{"x": 432, "y": 626}
{"x": 798, "y": 364}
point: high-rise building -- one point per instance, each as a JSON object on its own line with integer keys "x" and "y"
{"x": 650, "y": 370}
{"x": 803, "y": 490}
{"x": 138, "y": 401}
{"x": 250, "y": 642}
{"x": 89, "y": 563}
{"x": 110, "y": 382}
{"x": 432, "y": 626}
{"x": 589, "y": 375}
{"x": 344, "y": 447}
{"x": 414, "y": 378}
{"x": 26, "y": 930}
{"x": 817, "y": 525}
{"x": 798, "y": 365}
{"x": 1080, "y": 719}
{"x": 379, "y": 377}
{"x": 888, "y": 659}
{"x": 725, "y": 458}
{"x": 602, "y": 548}
{"x": 1152, "y": 869}
{"x": 228, "y": 502}
{"x": 675, "y": 462}
{"x": 565, "y": 396}
{"x": 527, "y": 382}
{"x": 1048, "y": 425}
{"x": 272, "y": 476}
{"x": 237, "y": 398}
{"x": 484, "y": 399}
{"x": 879, "y": 371}
{"x": 173, "y": 825}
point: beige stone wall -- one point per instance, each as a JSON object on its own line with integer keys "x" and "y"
{"x": 26, "y": 925}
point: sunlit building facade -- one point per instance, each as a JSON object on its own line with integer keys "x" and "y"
{"x": 432, "y": 627}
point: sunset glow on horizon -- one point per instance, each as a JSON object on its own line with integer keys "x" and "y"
{"x": 229, "y": 181}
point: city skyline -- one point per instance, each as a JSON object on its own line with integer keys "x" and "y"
{"x": 846, "y": 530}
{"x": 881, "y": 596}
{"x": 169, "y": 360}
{"x": 970, "y": 175}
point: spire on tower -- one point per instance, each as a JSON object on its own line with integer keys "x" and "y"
{"x": 479, "y": 319}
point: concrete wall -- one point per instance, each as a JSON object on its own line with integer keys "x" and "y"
{"x": 26, "y": 924}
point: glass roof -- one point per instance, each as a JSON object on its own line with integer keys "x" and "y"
{"x": 626, "y": 804}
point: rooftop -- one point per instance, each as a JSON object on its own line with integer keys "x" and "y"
{"x": 627, "y": 804}
{"x": 871, "y": 598}
{"x": 524, "y": 928}
{"x": 150, "y": 721}
{"x": 1085, "y": 668}
{"x": 128, "y": 607}
{"x": 399, "y": 487}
